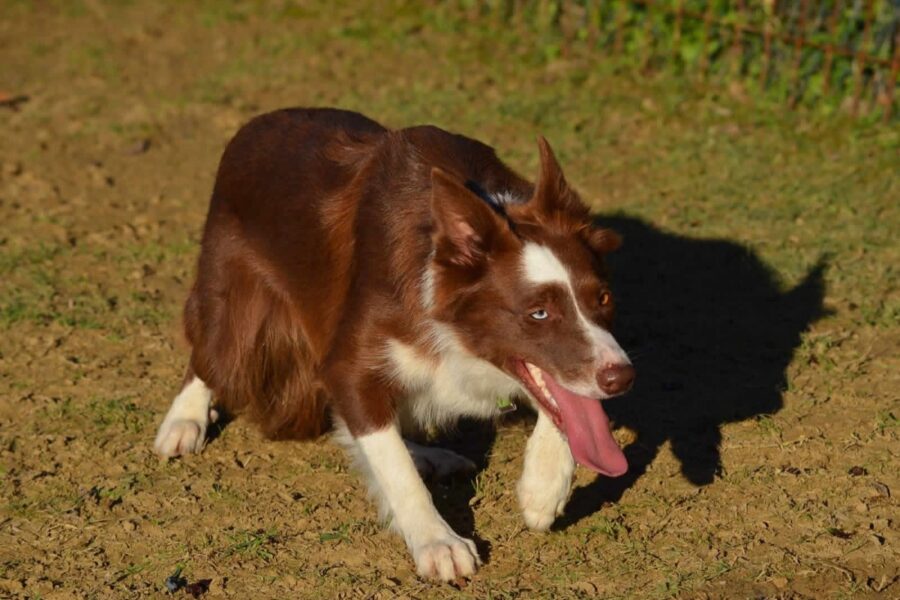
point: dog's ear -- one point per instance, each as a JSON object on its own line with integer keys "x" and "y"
{"x": 553, "y": 197}
{"x": 466, "y": 228}
{"x": 602, "y": 240}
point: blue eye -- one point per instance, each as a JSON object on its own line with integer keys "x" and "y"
{"x": 539, "y": 315}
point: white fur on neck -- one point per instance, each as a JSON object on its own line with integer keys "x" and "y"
{"x": 446, "y": 381}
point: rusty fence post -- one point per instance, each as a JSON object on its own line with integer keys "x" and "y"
{"x": 829, "y": 47}
{"x": 892, "y": 78}
{"x": 621, "y": 10}
{"x": 799, "y": 38}
{"x": 707, "y": 25}
{"x": 737, "y": 48}
{"x": 648, "y": 34}
{"x": 769, "y": 15}
{"x": 860, "y": 59}
{"x": 676, "y": 36}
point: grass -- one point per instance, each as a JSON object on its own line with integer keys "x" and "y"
{"x": 42, "y": 289}
{"x": 252, "y": 544}
{"x": 337, "y": 535}
{"x": 120, "y": 413}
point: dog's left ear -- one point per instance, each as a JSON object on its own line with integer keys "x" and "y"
{"x": 552, "y": 195}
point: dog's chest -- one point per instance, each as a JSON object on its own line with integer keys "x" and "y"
{"x": 452, "y": 384}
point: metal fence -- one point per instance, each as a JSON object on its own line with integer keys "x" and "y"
{"x": 837, "y": 53}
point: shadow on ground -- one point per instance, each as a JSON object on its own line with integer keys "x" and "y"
{"x": 711, "y": 335}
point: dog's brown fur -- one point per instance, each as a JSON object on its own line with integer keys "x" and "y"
{"x": 317, "y": 233}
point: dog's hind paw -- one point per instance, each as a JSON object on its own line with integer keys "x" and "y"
{"x": 438, "y": 463}
{"x": 447, "y": 558}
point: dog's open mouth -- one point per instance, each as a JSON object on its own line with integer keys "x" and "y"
{"x": 580, "y": 418}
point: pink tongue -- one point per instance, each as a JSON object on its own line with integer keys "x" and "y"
{"x": 587, "y": 427}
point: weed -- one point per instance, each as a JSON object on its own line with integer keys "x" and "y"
{"x": 252, "y": 544}
{"x": 886, "y": 420}
{"x": 336, "y": 535}
{"x": 121, "y": 413}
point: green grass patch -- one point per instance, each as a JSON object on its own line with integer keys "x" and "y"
{"x": 252, "y": 544}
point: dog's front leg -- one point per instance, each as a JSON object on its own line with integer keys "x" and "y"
{"x": 436, "y": 548}
{"x": 547, "y": 476}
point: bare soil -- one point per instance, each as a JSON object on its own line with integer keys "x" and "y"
{"x": 757, "y": 286}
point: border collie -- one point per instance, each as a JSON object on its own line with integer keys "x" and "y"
{"x": 383, "y": 282}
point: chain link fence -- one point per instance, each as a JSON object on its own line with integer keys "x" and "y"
{"x": 836, "y": 54}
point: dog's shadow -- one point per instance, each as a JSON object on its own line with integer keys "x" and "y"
{"x": 711, "y": 334}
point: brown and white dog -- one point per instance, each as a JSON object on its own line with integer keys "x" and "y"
{"x": 387, "y": 281}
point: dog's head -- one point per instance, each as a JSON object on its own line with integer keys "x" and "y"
{"x": 524, "y": 286}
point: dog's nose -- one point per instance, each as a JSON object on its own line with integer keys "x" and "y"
{"x": 616, "y": 379}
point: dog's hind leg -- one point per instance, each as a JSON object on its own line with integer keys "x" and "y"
{"x": 184, "y": 428}
{"x": 438, "y": 463}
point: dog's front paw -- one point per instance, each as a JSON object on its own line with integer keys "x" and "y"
{"x": 546, "y": 479}
{"x": 448, "y": 557}
{"x": 180, "y": 436}
{"x": 184, "y": 428}
{"x": 540, "y": 508}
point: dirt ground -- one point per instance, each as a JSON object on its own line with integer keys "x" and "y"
{"x": 758, "y": 288}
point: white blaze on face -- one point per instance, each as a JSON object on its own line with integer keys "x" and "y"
{"x": 542, "y": 266}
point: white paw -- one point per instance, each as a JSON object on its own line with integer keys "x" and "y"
{"x": 447, "y": 558}
{"x": 184, "y": 428}
{"x": 546, "y": 479}
{"x": 541, "y": 508}
{"x": 180, "y": 436}
{"x": 439, "y": 463}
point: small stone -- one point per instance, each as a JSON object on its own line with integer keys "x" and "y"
{"x": 11, "y": 169}
{"x": 138, "y": 147}
{"x": 175, "y": 581}
{"x": 882, "y": 489}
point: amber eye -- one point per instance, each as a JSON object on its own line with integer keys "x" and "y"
{"x": 605, "y": 299}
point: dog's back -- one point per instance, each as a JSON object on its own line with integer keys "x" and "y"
{"x": 315, "y": 213}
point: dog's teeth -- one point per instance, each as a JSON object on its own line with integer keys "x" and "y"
{"x": 535, "y": 374}
{"x": 548, "y": 395}
{"x": 538, "y": 377}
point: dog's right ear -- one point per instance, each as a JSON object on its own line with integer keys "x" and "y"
{"x": 466, "y": 228}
